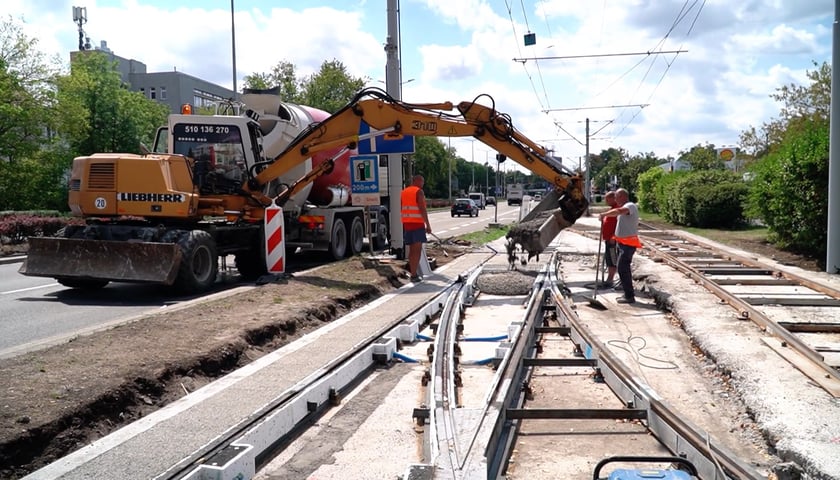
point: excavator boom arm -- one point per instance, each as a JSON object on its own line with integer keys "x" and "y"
{"x": 384, "y": 113}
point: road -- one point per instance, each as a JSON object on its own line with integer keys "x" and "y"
{"x": 36, "y": 312}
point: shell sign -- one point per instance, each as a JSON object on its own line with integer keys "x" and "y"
{"x": 726, "y": 154}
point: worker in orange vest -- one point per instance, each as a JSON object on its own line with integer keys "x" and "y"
{"x": 627, "y": 239}
{"x": 415, "y": 220}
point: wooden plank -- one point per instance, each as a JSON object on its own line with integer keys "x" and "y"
{"x": 811, "y": 327}
{"x": 792, "y": 302}
{"x": 767, "y": 281}
{"x": 806, "y": 366}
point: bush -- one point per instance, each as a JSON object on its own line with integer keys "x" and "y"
{"x": 15, "y": 228}
{"x": 789, "y": 191}
{"x": 647, "y": 189}
{"x": 704, "y": 198}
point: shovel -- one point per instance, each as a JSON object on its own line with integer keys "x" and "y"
{"x": 593, "y": 300}
{"x": 445, "y": 254}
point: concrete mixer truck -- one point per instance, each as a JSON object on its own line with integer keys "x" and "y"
{"x": 166, "y": 217}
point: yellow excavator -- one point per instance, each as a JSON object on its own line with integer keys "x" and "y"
{"x": 166, "y": 217}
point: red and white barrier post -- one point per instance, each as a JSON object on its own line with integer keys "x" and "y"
{"x": 275, "y": 242}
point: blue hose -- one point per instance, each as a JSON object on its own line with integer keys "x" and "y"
{"x": 423, "y": 338}
{"x": 405, "y": 358}
{"x": 485, "y": 361}
{"x": 484, "y": 339}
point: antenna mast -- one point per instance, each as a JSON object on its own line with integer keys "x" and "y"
{"x": 80, "y": 18}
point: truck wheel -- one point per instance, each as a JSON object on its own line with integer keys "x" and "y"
{"x": 338, "y": 240}
{"x": 381, "y": 238}
{"x": 357, "y": 236}
{"x": 82, "y": 284}
{"x": 251, "y": 264}
{"x": 199, "y": 264}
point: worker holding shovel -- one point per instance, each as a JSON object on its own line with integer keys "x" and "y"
{"x": 608, "y": 235}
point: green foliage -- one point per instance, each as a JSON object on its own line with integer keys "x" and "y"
{"x": 706, "y": 198}
{"x": 430, "y": 160}
{"x": 790, "y": 188}
{"x": 96, "y": 114}
{"x": 282, "y": 77}
{"x": 799, "y": 102}
{"x": 663, "y": 186}
{"x": 331, "y": 88}
{"x": 624, "y": 168}
{"x": 26, "y": 92}
{"x": 701, "y": 157}
{"x": 36, "y": 182}
{"x": 485, "y": 236}
{"x": 646, "y": 191}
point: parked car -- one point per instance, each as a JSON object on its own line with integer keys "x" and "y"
{"x": 464, "y": 206}
{"x": 491, "y": 200}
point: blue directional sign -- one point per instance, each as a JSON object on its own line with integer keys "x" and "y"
{"x": 381, "y": 144}
{"x": 364, "y": 174}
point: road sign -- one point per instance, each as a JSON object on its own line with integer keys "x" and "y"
{"x": 364, "y": 179}
{"x": 383, "y": 144}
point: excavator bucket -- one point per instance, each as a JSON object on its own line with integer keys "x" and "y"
{"x": 145, "y": 262}
{"x": 538, "y": 228}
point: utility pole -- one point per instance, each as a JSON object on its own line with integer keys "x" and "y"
{"x": 449, "y": 161}
{"x": 832, "y": 261}
{"x": 393, "y": 83}
{"x": 586, "y": 177}
{"x": 233, "y": 46}
{"x": 472, "y": 162}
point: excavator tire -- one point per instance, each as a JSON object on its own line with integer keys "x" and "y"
{"x": 199, "y": 262}
{"x": 357, "y": 236}
{"x": 338, "y": 239}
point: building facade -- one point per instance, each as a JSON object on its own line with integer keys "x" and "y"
{"x": 171, "y": 88}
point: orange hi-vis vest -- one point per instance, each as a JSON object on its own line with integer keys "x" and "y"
{"x": 410, "y": 211}
{"x": 631, "y": 241}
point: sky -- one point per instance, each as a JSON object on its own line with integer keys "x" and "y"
{"x": 651, "y": 76}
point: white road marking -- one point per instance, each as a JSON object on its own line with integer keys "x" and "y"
{"x": 30, "y": 288}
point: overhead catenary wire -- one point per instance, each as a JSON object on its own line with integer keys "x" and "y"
{"x": 544, "y": 100}
{"x": 527, "y": 73}
{"x": 680, "y": 16}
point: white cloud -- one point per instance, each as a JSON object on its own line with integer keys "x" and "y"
{"x": 738, "y": 53}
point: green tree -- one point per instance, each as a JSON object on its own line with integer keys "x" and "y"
{"x": 624, "y": 168}
{"x": 800, "y": 102}
{"x": 790, "y": 188}
{"x": 98, "y": 114}
{"x": 331, "y": 88}
{"x": 430, "y": 160}
{"x": 282, "y": 77}
{"x": 702, "y": 157}
{"x": 26, "y": 90}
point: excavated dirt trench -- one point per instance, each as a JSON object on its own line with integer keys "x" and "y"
{"x": 54, "y": 401}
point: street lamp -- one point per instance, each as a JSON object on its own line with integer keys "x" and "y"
{"x": 472, "y": 162}
{"x": 487, "y": 178}
{"x": 449, "y": 161}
